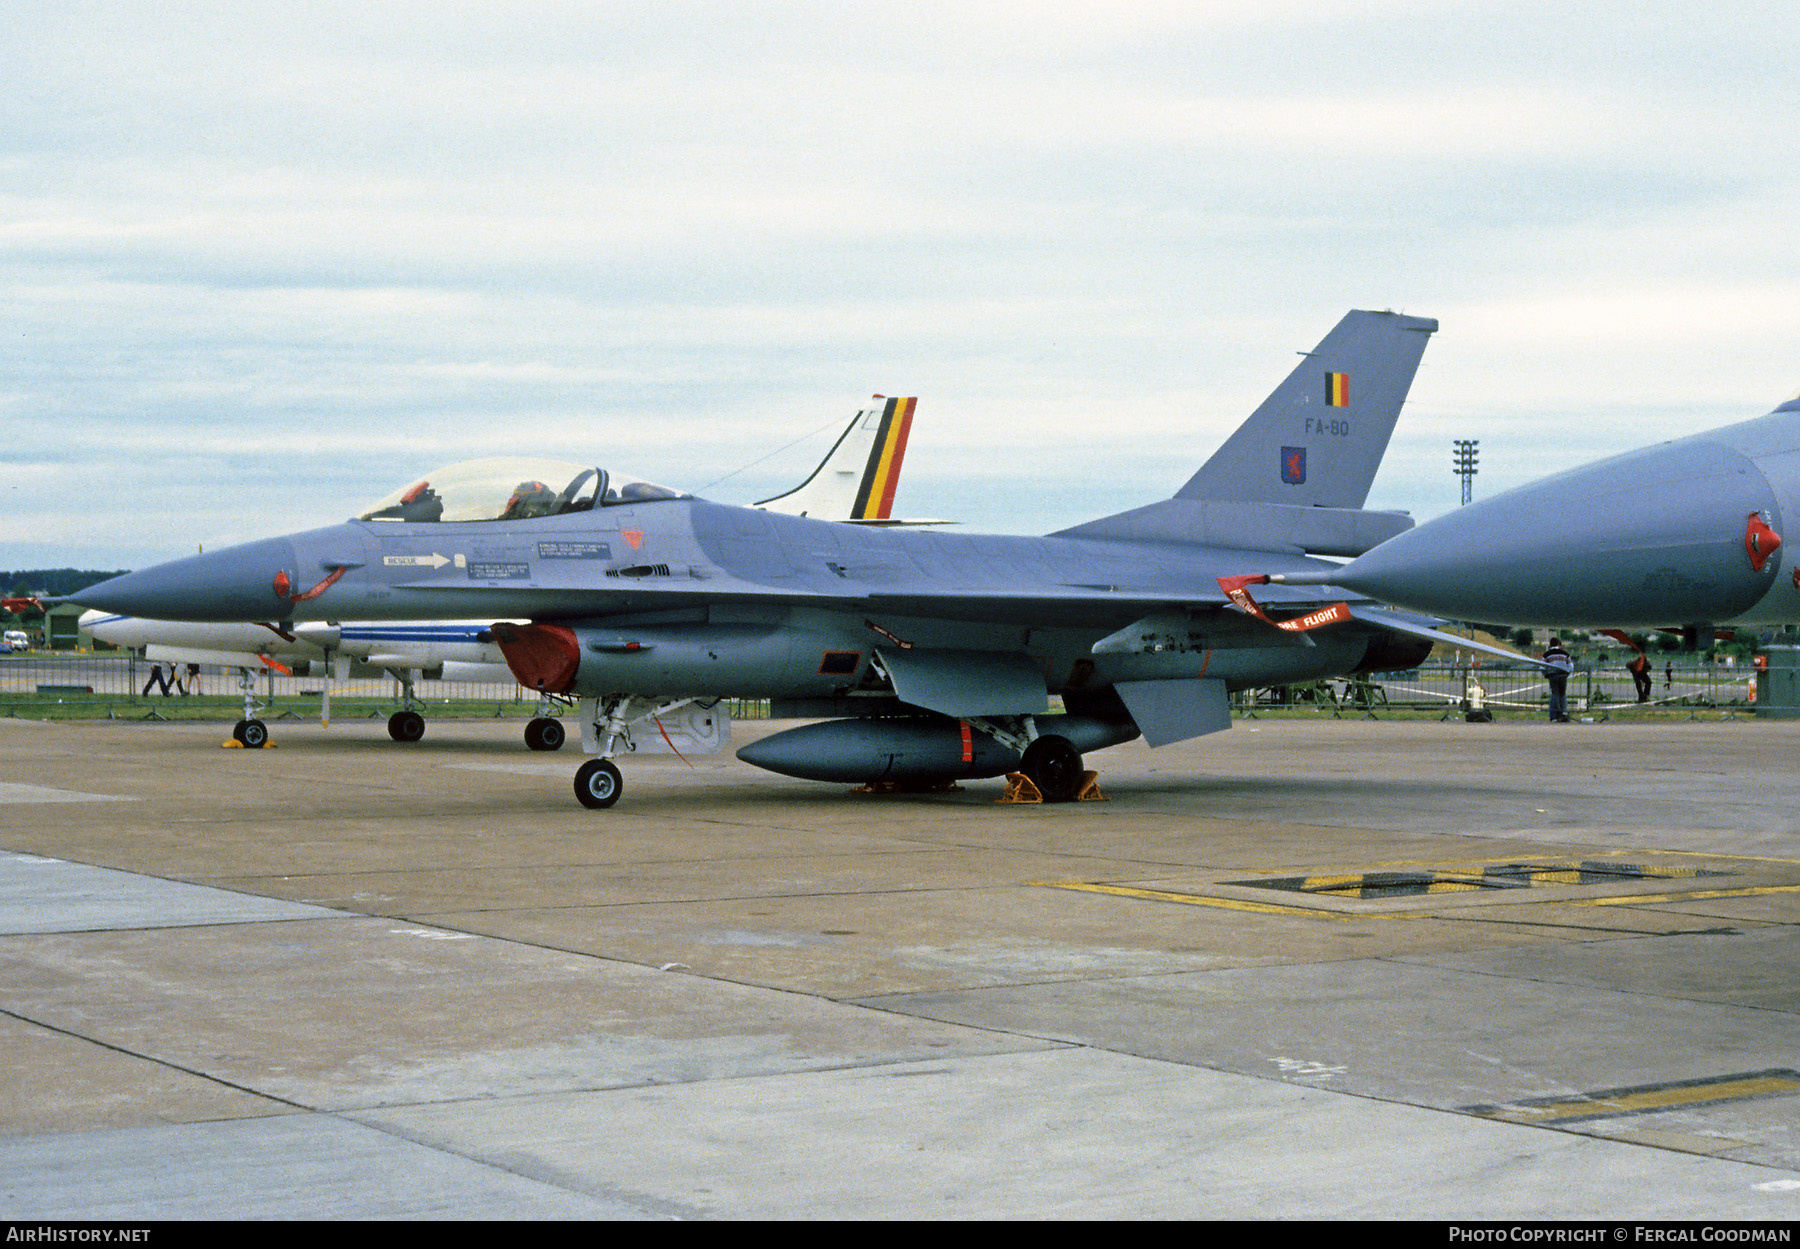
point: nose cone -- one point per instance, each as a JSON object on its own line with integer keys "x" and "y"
{"x": 237, "y": 583}
{"x": 1661, "y": 536}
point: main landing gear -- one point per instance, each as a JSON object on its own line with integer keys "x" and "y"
{"x": 1049, "y": 765}
{"x": 406, "y": 724}
{"x": 250, "y": 733}
{"x": 1054, "y": 765}
{"x": 545, "y": 732}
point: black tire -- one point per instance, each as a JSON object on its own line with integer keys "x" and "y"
{"x": 406, "y": 726}
{"x": 545, "y": 733}
{"x": 253, "y": 733}
{"x": 598, "y": 784}
{"x": 1054, "y": 766}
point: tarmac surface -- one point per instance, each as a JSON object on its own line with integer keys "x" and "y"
{"x": 1319, "y": 969}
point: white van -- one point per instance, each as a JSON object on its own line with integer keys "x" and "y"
{"x": 16, "y": 639}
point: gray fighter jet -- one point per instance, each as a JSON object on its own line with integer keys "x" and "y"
{"x": 854, "y": 482}
{"x": 1685, "y": 534}
{"x": 930, "y": 656}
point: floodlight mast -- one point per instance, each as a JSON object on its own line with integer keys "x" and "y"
{"x": 1464, "y": 458}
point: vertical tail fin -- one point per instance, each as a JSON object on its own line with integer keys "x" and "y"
{"x": 881, "y": 476}
{"x": 1319, "y": 438}
{"x": 857, "y": 478}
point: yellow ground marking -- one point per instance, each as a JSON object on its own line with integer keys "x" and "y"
{"x": 1269, "y": 908}
{"x": 1641, "y": 1101}
{"x": 1694, "y": 895}
{"x": 1191, "y": 899}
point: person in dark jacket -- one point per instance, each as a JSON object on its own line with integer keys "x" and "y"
{"x": 157, "y": 679}
{"x": 1560, "y": 666}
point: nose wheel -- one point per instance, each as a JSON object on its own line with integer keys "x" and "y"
{"x": 598, "y": 784}
{"x": 606, "y": 727}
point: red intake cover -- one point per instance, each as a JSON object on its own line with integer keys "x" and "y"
{"x": 542, "y": 657}
{"x": 1760, "y": 542}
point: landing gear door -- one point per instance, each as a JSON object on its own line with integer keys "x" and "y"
{"x": 689, "y": 730}
{"x": 1173, "y": 711}
{"x": 967, "y": 683}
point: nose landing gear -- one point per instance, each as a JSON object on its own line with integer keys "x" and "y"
{"x": 598, "y": 784}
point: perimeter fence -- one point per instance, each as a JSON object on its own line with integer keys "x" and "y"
{"x": 121, "y": 686}
{"x": 1600, "y": 691}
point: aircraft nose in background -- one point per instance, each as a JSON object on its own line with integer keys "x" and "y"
{"x": 1658, "y": 537}
{"x": 233, "y": 584}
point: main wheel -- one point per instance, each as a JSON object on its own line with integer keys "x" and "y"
{"x": 406, "y": 726}
{"x": 1054, "y": 766}
{"x": 598, "y": 784}
{"x": 253, "y": 733}
{"x": 544, "y": 733}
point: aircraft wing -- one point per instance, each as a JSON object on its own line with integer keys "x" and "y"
{"x": 1038, "y": 606}
{"x": 990, "y": 602}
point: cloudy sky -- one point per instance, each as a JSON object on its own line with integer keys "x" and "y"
{"x": 260, "y": 263}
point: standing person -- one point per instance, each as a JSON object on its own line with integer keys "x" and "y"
{"x": 193, "y": 681}
{"x": 157, "y": 678}
{"x": 1640, "y": 677}
{"x": 1669, "y": 676}
{"x": 1560, "y": 665}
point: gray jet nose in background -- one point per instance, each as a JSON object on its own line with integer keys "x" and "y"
{"x": 1681, "y": 532}
{"x": 238, "y": 583}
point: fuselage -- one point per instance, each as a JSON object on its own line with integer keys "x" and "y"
{"x": 412, "y": 644}
{"x": 733, "y": 601}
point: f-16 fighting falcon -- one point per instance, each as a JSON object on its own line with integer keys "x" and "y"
{"x": 927, "y": 656}
{"x": 855, "y": 482}
{"x": 1680, "y": 536}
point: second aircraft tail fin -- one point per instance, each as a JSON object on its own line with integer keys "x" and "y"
{"x": 857, "y": 478}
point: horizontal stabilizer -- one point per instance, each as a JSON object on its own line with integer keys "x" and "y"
{"x": 1345, "y": 531}
{"x": 1400, "y": 624}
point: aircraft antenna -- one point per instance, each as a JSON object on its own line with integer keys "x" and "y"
{"x": 831, "y": 424}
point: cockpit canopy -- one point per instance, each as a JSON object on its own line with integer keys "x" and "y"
{"x": 513, "y": 488}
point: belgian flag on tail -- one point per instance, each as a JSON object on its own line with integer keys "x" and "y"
{"x": 875, "y": 500}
